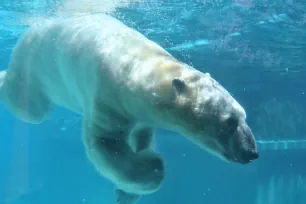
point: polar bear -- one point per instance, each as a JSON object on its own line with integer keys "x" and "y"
{"x": 124, "y": 86}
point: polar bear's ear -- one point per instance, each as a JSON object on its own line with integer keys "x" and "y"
{"x": 179, "y": 85}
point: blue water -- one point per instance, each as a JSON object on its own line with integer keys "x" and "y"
{"x": 254, "y": 48}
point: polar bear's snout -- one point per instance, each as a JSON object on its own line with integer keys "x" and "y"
{"x": 242, "y": 145}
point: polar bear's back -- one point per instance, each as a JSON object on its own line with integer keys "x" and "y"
{"x": 74, "y": 57}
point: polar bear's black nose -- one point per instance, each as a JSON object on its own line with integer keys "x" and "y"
{"x": 254, "y": 156}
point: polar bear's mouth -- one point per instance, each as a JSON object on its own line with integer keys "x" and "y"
{"x": 245, "y": 158}
{"x": 248, "y": 157}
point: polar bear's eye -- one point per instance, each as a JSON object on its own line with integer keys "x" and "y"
{"x": 232, "y": 123}
{"x": 179, "y": 85}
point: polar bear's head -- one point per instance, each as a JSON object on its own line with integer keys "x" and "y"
{"x": 208, "y": 115}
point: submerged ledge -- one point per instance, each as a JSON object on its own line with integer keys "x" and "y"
{"x": 281, "y": 144}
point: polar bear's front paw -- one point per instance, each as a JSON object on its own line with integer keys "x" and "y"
{"x": 125, "y": 198}
{"x": 146, "y": 171}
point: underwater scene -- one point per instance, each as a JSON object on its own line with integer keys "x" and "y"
{"x": 152, "y": 102}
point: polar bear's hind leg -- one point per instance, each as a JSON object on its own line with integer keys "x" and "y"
{"x": 23, "y": 97}
{"x": 2, "y": 76}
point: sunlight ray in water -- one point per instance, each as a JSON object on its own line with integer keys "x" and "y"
{"x": 28, "y": 12}
{"x": 281, "y": 144}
